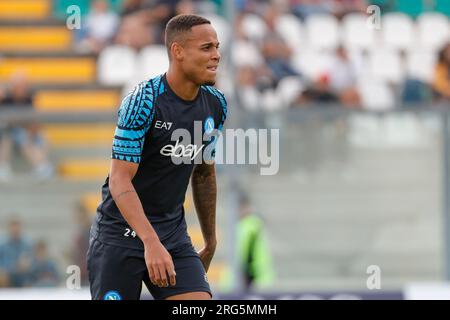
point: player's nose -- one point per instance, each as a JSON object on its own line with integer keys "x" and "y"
{"x": 216, "y": 55}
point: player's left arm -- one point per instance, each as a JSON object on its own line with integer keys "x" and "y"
{"x": 204, "y": 190}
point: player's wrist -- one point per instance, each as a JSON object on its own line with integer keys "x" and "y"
{"x": 211, "y": 244}
{"x": 150, "y": 240}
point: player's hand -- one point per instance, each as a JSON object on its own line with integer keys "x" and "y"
{"x": 206, "y": 254}
{"x": 159, "y": 265}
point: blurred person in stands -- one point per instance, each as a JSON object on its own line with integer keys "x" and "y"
{"x": 342, "y": 7}
{"x": 304, "y": 8}
{"x": 275, "y": 50}
{"x": 26, "y": 135}
{"x": 134, "y": 30}
{"x": 100, "y": 27}
{"x": 343, "y": 76}
{"x": 43, "y": 269}
{"x": 318, "y": 91}
{"x": 81, "y": 242}
{"x": 441, "y": 80}
{"x": 15, "y": 255}
{"x": 131, "y": 7}
{"x": 253, "y": 251}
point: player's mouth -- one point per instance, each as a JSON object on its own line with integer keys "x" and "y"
{"x": 212, "y": 68}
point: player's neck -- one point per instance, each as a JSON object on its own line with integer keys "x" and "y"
{"x": 182, "y": 87}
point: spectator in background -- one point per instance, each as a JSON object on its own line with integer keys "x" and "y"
{"x": 43, "y": 270}
{"x": 441, "y": 81}
{"x": 275, "y": 50}
{"x": 253, "y": 251}
{"x": 318, "y": 91}
{"x": 304, "y": 8}
{"x": 343, "y": 79}
{"x": 100, "y": 27}
{"x": 135, "y": 30}
{"x": 15, "y": 256}
{"x": 131, "y": 7}
{"x": 342, "y": 7}
{"x": 26, "y": 135}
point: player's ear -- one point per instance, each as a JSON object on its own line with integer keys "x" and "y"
{"x": 177, "y": 51}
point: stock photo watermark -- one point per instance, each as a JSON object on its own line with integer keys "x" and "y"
{"x": 73, "y": 21}
{"x": 73, "y": 281}
{"x": 374, "y": 280}
{"x": 229, "y": 147}
{"x": 374, "y": 20}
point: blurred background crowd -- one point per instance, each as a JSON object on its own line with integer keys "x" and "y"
{"x": 277, "y": 55}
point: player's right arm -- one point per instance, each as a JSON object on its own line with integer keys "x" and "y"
{"x": 158, "y": 260}
{"x": 126, "y": 156}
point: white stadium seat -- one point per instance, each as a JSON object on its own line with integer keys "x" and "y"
{"x": 398, "y": 31}
{"x": 253, "y": 27}
{"x": 323, "y": 31}
{"x": 385, "y": 64}
{"x": 312, "y": 63}
{"x": 355, "y": 33}
{"x": 376, "y": 95}
{"x": 291, "y": 29}
{"x": 246, "y": 53}
{"x": 116, "y": 65}
{"x": 290, "y": 88}
{"x": 433, "y": 30}
{"x": 420, "y": 65}
{"x": 223, "y": 29}
{"x": 152, "y": 61}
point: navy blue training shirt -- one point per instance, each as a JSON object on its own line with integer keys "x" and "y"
{"x": 147, "y": 119}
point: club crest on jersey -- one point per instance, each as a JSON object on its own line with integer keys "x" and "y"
{"x": 209, "y": 125}
{"x": 112, "y": 295}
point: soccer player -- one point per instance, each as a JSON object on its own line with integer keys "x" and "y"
{"x": 140, "y": 233}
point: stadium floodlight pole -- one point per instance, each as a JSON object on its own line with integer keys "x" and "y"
{"x": 229, "y": 9}
{"x": 446, "y": 212}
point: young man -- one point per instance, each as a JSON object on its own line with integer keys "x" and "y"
{"x": 140, "y": 232}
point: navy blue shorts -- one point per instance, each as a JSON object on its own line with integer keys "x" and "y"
{"x": 117, "y": 273}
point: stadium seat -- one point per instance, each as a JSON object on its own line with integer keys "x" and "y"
{"x": 323, "y": 31}
{"x": 412, "y": 8}
{"x": 272, "y": 101}
{"x": 79, "y": 134}
{"x": 84, "y": 169}
{"x": 386, "y": 65}
{"x": 376, "y": 95}
{"x": 152, "y": 61}
{"x": 289, "y": 88}
{"x": 223, "y": 29}
{"x": 76, "y": 100}
{"x": 355, "y": 33}
{"x": 442, "y": 6}
{"x": 35, "y": 38}
{"x": 116, "y": 65}
{"x": 25, "y": 9}
{"x": 312, "y": 63}
{"x": 433, "y": 30}
{"x": 253, "y": 27}
{"x": 246, "y": 53}
{"x": 420, "y": 65}
{"x": 291, "y": 29}
{"x": 50, "y": 70}
{"x": 398, "y": 31}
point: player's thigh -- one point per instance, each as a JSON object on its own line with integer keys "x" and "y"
{"x": 191, "y": 280}
{"x": 198, "y": 295}
{"x": 115, "y": 273}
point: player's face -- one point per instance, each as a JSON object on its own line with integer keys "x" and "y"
{"x": 201, "y": 55}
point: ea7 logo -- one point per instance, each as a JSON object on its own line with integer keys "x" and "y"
{"x": 163, "y": 125}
